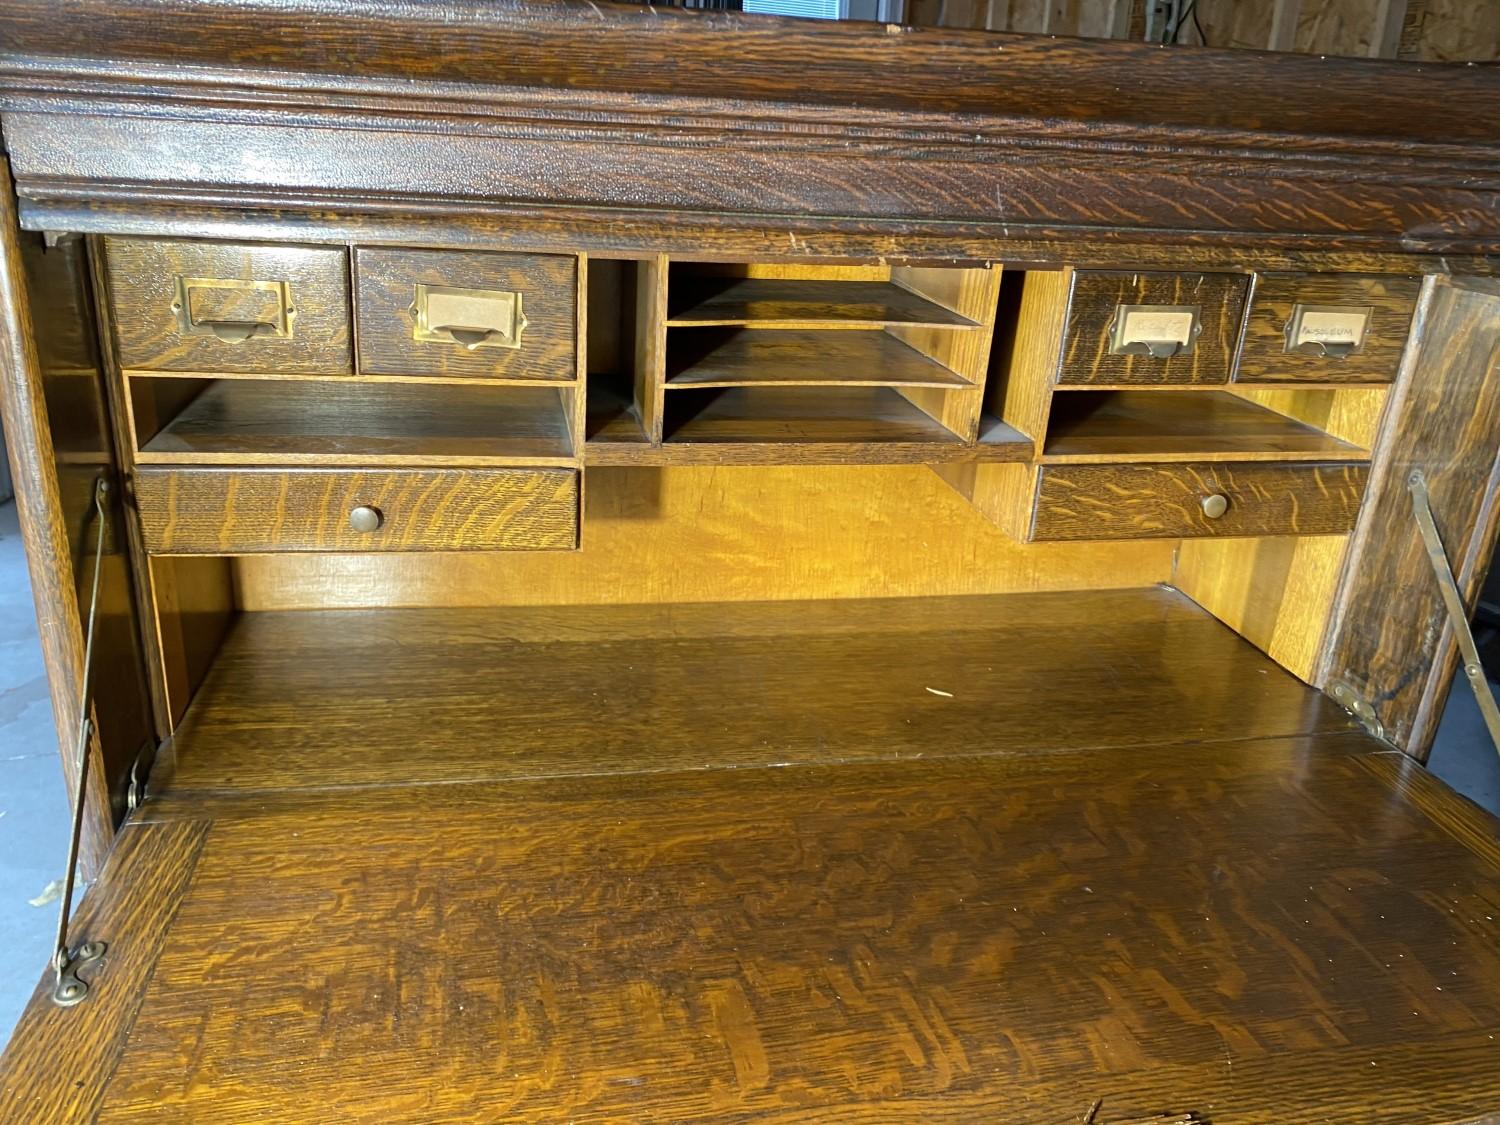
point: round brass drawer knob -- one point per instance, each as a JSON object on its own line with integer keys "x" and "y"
{"x": 365, "y": 519}
{"x": 1215, "y": 506}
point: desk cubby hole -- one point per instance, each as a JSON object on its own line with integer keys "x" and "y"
{"x": 1167, "y": 422}
{"x": 622, "y": 312}
{"x": 1121, "y": 426}
{"x": 776, "y": 354}
{"x": 206, "y": 420}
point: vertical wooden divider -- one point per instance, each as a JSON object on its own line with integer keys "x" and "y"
{"x": 185, "y": 604}
{"x": 972, "y": 293}
{"x": 1019, "y": 392}
{"x": 574, "y": 399}
{"x": 122, "y": 418}
{"x": 651, "y": 344}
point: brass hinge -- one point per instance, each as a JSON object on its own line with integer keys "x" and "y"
{"x": 1453, "y": 601}
{"x": 140, "y": 776}
{"x": 69, "y": 988}
{"x": 1357, "y": 705}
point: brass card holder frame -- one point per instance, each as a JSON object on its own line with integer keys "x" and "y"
{"x": 1332, "y": 331}
{"x": 470, "y": 318}
{"x": 279, "y": 325}
{"x": 1158, "y": 331}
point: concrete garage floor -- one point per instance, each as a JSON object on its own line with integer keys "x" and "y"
{"x": 33, "y": 802}
{"x": 34, "y": 806}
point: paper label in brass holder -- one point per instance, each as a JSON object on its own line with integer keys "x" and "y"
{"x": 470, "y": 318}
{"x": 233, "y": 309}
{"x": 1329, "y": 330}
{"x": 1159, "y": 331}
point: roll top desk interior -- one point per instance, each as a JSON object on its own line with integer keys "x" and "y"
{"x": 660, "y": 565}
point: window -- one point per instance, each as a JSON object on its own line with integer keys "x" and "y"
{"x": 808, "y": 9}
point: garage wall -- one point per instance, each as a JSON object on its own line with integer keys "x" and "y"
{"x": 1434, "y": 30}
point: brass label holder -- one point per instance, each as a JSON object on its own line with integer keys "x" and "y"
{"x": 470, "y": 318}
{"x": 1334, "y": 331}
{"x": 1158, "y": 331}
{"x": 253, "y": 309}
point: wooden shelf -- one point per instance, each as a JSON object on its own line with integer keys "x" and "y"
{"x": 779, "y": 426}
{"x": 623, "y": 452}
{"x": 799, "y": 357}
{"x": 838, "y": 415}
{"x": 1162, "y": 425}
{"x": 823, "y": 305}
{"x": 793, "y": 682}
{"x": 339, "y": 423}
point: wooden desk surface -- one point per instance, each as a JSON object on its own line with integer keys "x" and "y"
{"x": 1289, "y": 930}
{"x": 311, "y": 699}
{"x": 1248, "y": 927}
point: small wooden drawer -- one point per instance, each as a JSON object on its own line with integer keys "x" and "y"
{"x": 1151, "y": 329}
{"x": 1185, "y": 500}
{"x": 217, "y": 306}
{"x": 462, "y": 314}
{"x": 1327, "y": 328}
{"x": 239, "y": 511}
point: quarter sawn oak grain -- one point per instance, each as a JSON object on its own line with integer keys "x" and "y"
{"x": 202, "y": 511}
{"x": 470, "y": 694}
{"x": 142, "y": 278}
{"x": 851, "y": 123}
{"x": 1166, "y": 501}
{"x": 63, "y": 1066}
{"x": 1390, "y": 639}
{"x": 969, "y": 859}
{"x": 1095, "y": 298}
{"x": 1251, "y": 931}
{"x": 385, "y": 290}
{"x": 1264, "y": 358}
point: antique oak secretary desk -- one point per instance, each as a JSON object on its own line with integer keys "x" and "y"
{"x": 655, "y": 566}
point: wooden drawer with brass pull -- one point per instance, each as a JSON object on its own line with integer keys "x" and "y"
{"x": 1327, "y": 328}
{"x": 214, "y": 306}
{"x": 1145, "y": 329}
{"x": 1183, "y": 500}
{"x": 467, "y": 314}
{"x": 211, "y": 511}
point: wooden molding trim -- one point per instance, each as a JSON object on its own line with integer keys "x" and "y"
{"x": 153, "y": 100}
{"x": 568, "y": 47}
